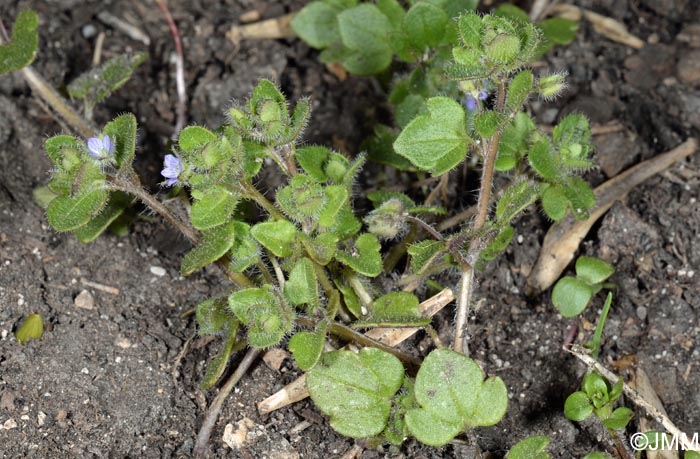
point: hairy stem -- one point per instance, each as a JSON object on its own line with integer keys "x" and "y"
{"x": 467, "y": 280}
{"x": 251, "y": 192}
{"x": 215, "y": 408}
{"x": 188, "y": 231}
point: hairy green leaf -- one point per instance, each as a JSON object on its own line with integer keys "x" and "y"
{"x": 276, "y": 236}
{"x": 122, "y": 131}
{"x": 355, "y": 390}
{"x": 364, "y": 257}
{"x": 216, "y": 242}
{"x": 306, "y": 347}
{"x": 302, "y": 286}
{"x": 21, "y": 50}
{"x": 435, "y": 142}
{"x": 193, "y": 137}
{"x": 267, "y": 319}
{"x": 213, "y": 209}
{"x": 115, "y": 206}
{"x": 453, "y": 396}
{"x": 515, "y": 199}
{"x": 425, "y": 24}
{"x": 530, "y": 448}
{"x": 98, "y": 83}
{"x": 364, "y": 31}
{"x": 66, "y": 214}
{"x": 519, "y": 89}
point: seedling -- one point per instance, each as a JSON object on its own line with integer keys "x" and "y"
{"x": 598, "y": 397}
{"x": 571, "y": 295}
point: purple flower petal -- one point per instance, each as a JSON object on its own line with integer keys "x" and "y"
{"x": 107, "y": 144}
{"x": 483, "y": 94}
{"x": 172, "y": 162}
{"x": 171, "y": 182}
{"x": 94, "y": 144}
{"x": 470, "y": 103}
{"x": 169, "y": 173}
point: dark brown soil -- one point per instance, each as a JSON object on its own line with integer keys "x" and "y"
{"x": 104, "y": 383}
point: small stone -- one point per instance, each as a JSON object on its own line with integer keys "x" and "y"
{"x": 642, "y": 312}
{"x": 85, "y": 300}
{"x": 88, "y": 31}
{"x": 236, "y": 439}
{"x": 274, "y": 358}
{"x": 41, "y": 418}
{"x": 10, "y": 424}
{"x": 157, "y": 270}
{"x": 7, "y": 401}
{"x": 688, "y": 68}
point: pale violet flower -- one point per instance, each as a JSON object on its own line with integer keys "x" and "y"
{"x": 471, "y": 102}
{"x": 172, "y": 170}
{"x": 100, "y": 147}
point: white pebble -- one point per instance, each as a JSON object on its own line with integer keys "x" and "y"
{"x": 157, "y": 270}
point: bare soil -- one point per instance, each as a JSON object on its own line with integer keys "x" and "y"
{"x": 106, "y": 382}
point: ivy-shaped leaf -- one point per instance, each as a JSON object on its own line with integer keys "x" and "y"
{"x": 355, "y": 390}
{"x": 365, "y": 257}
{"x": 307, "y": 347}
{"x": 335, "y": 197}
{"x": 453, "y": 396}
{"x": 321, "y": 248}
{"x": 216, "y": 242}
{"x": 213, "y": 209}
{"x": 302, "y": 286}
{"x": 423, "y": 254}
{"x": 392, "y": 309}
{"x": 193, "y": 137}
{"x": 312, "y": 160}
{"x": 276, "y": 236}
{"x": 245, "y": 250}
{"x": 436, "y": 142}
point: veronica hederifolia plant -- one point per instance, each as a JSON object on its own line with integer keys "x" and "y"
{"x": 310, "y": 267}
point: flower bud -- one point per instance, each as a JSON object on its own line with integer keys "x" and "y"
{"x": 552, "y": 85}
{"x": 387, "y": 220}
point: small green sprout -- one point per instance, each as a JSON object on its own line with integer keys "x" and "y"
{"x": 31, "y": 328}
{"x": 598, "y": 397}
{"x": 571, "y": 295}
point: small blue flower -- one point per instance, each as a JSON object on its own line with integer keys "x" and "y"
{"x": 173, "y": 169}
{"x": 100, "y": 147}
{"x": 471, "y": 103}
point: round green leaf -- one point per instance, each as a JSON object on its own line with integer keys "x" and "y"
{"x": 593, "y": 270}
{"x": 619, "y": 418}
{"x": 571, "y": 296}
{"x": 425, "y": 24}
{"x": 577, "y": 406}
{"x": 530, "y": 448}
